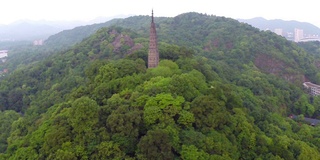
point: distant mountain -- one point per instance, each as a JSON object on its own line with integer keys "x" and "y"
{"x": 42, "y": 29}
{"x": 26, "y": 31}
{"x": 287, "y": 26}
{"x": 32, "y": 30}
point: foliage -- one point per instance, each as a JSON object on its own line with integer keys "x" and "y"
{"x": 211, "y": 100}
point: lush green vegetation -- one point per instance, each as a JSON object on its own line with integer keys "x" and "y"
{"x": 222, "y": 90}
{"x": 311, "y": 47}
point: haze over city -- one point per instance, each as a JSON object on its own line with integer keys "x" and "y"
{"x": 15, "y": 10}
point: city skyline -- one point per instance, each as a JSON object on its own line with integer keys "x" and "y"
{"x": 297, "y": 35}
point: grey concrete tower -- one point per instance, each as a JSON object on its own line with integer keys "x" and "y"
{"x": 153, "y": 55}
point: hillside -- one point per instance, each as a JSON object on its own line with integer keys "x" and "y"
{"x": 222, "y": 90}
{"x": 70, "y": 37}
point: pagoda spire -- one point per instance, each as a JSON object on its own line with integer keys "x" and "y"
{"x": 153, "y": 54}
{"x": 152, "y": 21}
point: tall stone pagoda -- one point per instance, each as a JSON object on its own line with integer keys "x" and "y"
{"x": 153, "y": 55}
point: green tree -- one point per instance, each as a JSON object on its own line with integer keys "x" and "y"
{"x": 25, "y": 153}
{"x": 6, "y": 120}
{"x": 155, "y": 145}
{"x": 192, "y": 153}
{"x": 162, "y": 109}
{"x": 124, "y": 125}
{"x": 302, "y": 106}
{"x": 209, "y": 112}
{"x": 109, "y": 150}
{"x": 66, "y": 152}
{"x": 188, "y": 85}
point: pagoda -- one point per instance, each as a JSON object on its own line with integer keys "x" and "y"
{"x": 153, "y": 54}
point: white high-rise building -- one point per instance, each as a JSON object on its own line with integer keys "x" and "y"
{"x": 298, "y": 34}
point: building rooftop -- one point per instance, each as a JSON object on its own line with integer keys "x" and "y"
{"x": 314, "y": 89}
{"x": 309, "y": 84}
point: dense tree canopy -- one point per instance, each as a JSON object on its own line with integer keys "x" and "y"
{"x": 222, "y": 90}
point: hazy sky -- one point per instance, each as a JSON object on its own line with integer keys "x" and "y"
{"x": 13, "y": 10}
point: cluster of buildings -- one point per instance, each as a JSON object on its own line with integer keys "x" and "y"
{"x": 3, "y": 55}
{"x": 3, "y": 58}
{"x": 38, "y": 42}
{"x": 297, "y": 36}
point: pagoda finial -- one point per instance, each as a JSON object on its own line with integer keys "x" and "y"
{"x": 152, "y": 15}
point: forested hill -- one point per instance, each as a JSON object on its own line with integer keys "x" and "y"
{"x": 205, "y": 33}
{"x": 70, "y": 37}
{"x": 222, "y": 90}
